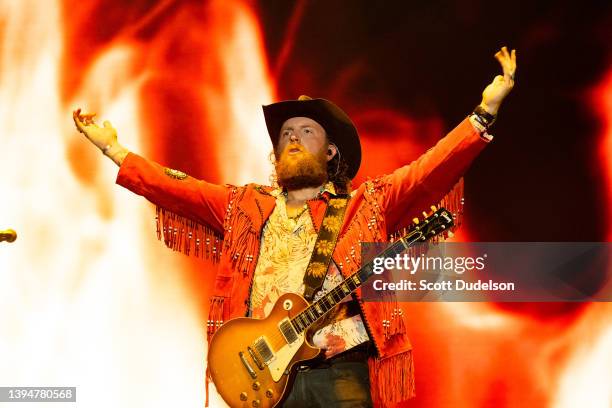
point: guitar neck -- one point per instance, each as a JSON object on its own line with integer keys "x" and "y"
{"x": 438, "y": 222}
{"x": 318, "y": 309}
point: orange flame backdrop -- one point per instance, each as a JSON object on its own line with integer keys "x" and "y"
{"x": 89, "y": 298}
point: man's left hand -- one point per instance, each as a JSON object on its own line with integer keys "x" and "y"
{"x": 496, "y": 91}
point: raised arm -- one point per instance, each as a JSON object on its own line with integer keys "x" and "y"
{"x": 171, "y": 190}
{"x": 426, "y": 180}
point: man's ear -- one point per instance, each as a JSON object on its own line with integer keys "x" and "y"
{"x": 332, "y": 150}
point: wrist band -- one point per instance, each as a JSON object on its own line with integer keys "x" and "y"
{"x": 484, "y": 117}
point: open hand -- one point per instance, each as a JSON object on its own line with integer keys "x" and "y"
{"x": 103, "y": 137}
{"x": 496, "y": 91}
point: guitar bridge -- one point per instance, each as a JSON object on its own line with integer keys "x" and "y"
{"x": 255, "y": 358}
{"x": 246, "y": 365}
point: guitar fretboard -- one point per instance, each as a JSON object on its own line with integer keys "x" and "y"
{"x": 435, "y": 224}
{"x": 315, "y": 311}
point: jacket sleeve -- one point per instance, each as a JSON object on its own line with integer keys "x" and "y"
{"x": 424, "y": 182}
{"x": 194, "y": 199}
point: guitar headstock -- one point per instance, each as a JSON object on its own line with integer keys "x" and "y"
{"x": 438, "y": 221}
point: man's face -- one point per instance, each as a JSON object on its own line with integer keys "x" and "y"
{"x": 301, "y": 154}
{"x": 302, "y": 131}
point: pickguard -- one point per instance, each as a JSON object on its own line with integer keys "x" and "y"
{"x": 283, "y": 356}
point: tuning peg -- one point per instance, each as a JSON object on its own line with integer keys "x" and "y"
{"x": 434, "y": 208}
{"x": 415, "y": 220}
{"x": 450, "y": 234}
{"x": 424, "y": 214}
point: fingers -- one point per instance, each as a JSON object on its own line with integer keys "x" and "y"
{"x": 510, "y": 59}
{"x": 505, "y": 51}
{"x": 84, "y": 121}
{"x": 507, "y": 60}
{"x": 87, "y": 118}
{"x": 77, "y": 119}
{"x": 502, "y": 61}
{"x": 503, "y": 57}
{"x": 107, "y": 124}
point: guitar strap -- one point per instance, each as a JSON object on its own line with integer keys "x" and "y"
{"x": 324, "y": 246}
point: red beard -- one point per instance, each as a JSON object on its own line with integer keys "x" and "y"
{"x": 301, "y": 170}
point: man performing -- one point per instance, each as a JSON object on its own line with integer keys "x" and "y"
{"x": 303, "y": 235}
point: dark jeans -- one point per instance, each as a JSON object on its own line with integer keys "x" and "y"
{"x": 343, "y": 384}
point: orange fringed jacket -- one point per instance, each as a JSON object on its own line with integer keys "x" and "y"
{"x": 225, "y": 223}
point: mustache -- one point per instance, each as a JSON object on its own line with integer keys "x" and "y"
{"x": 293, "y": 146}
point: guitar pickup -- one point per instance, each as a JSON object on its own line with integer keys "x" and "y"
{"x": 288, "y": 331}
{"x": 263, "y": 349}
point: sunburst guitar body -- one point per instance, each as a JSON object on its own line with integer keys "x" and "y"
{"x": 251, "y": 361}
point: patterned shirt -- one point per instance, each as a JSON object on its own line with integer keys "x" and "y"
{"x": 286, "y": 247}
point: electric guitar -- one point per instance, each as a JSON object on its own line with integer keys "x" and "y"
{"x": 252, "y": 362}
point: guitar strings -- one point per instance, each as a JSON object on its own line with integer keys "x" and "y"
{"x": 277, "y": 340}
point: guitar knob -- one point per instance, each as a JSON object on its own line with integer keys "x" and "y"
{"x": 243, "y": 396}
{"x": 256, "y": 403}
{"x": 256, "y": 385}
{"x": 269, "y": 393}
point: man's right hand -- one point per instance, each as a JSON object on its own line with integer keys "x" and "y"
{"x": 103, "y": 137}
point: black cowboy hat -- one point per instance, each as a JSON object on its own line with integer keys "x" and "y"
{"x": 339, "y": 128}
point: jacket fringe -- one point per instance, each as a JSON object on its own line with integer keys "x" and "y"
{"x": 182, "y": 234}
{"x": 375, "y": 216}
{"x": 391, "y": 379}
{"x": 393, "y": 321}
{"x": 239, "y": 237}
{"x": 453, "y": 201}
